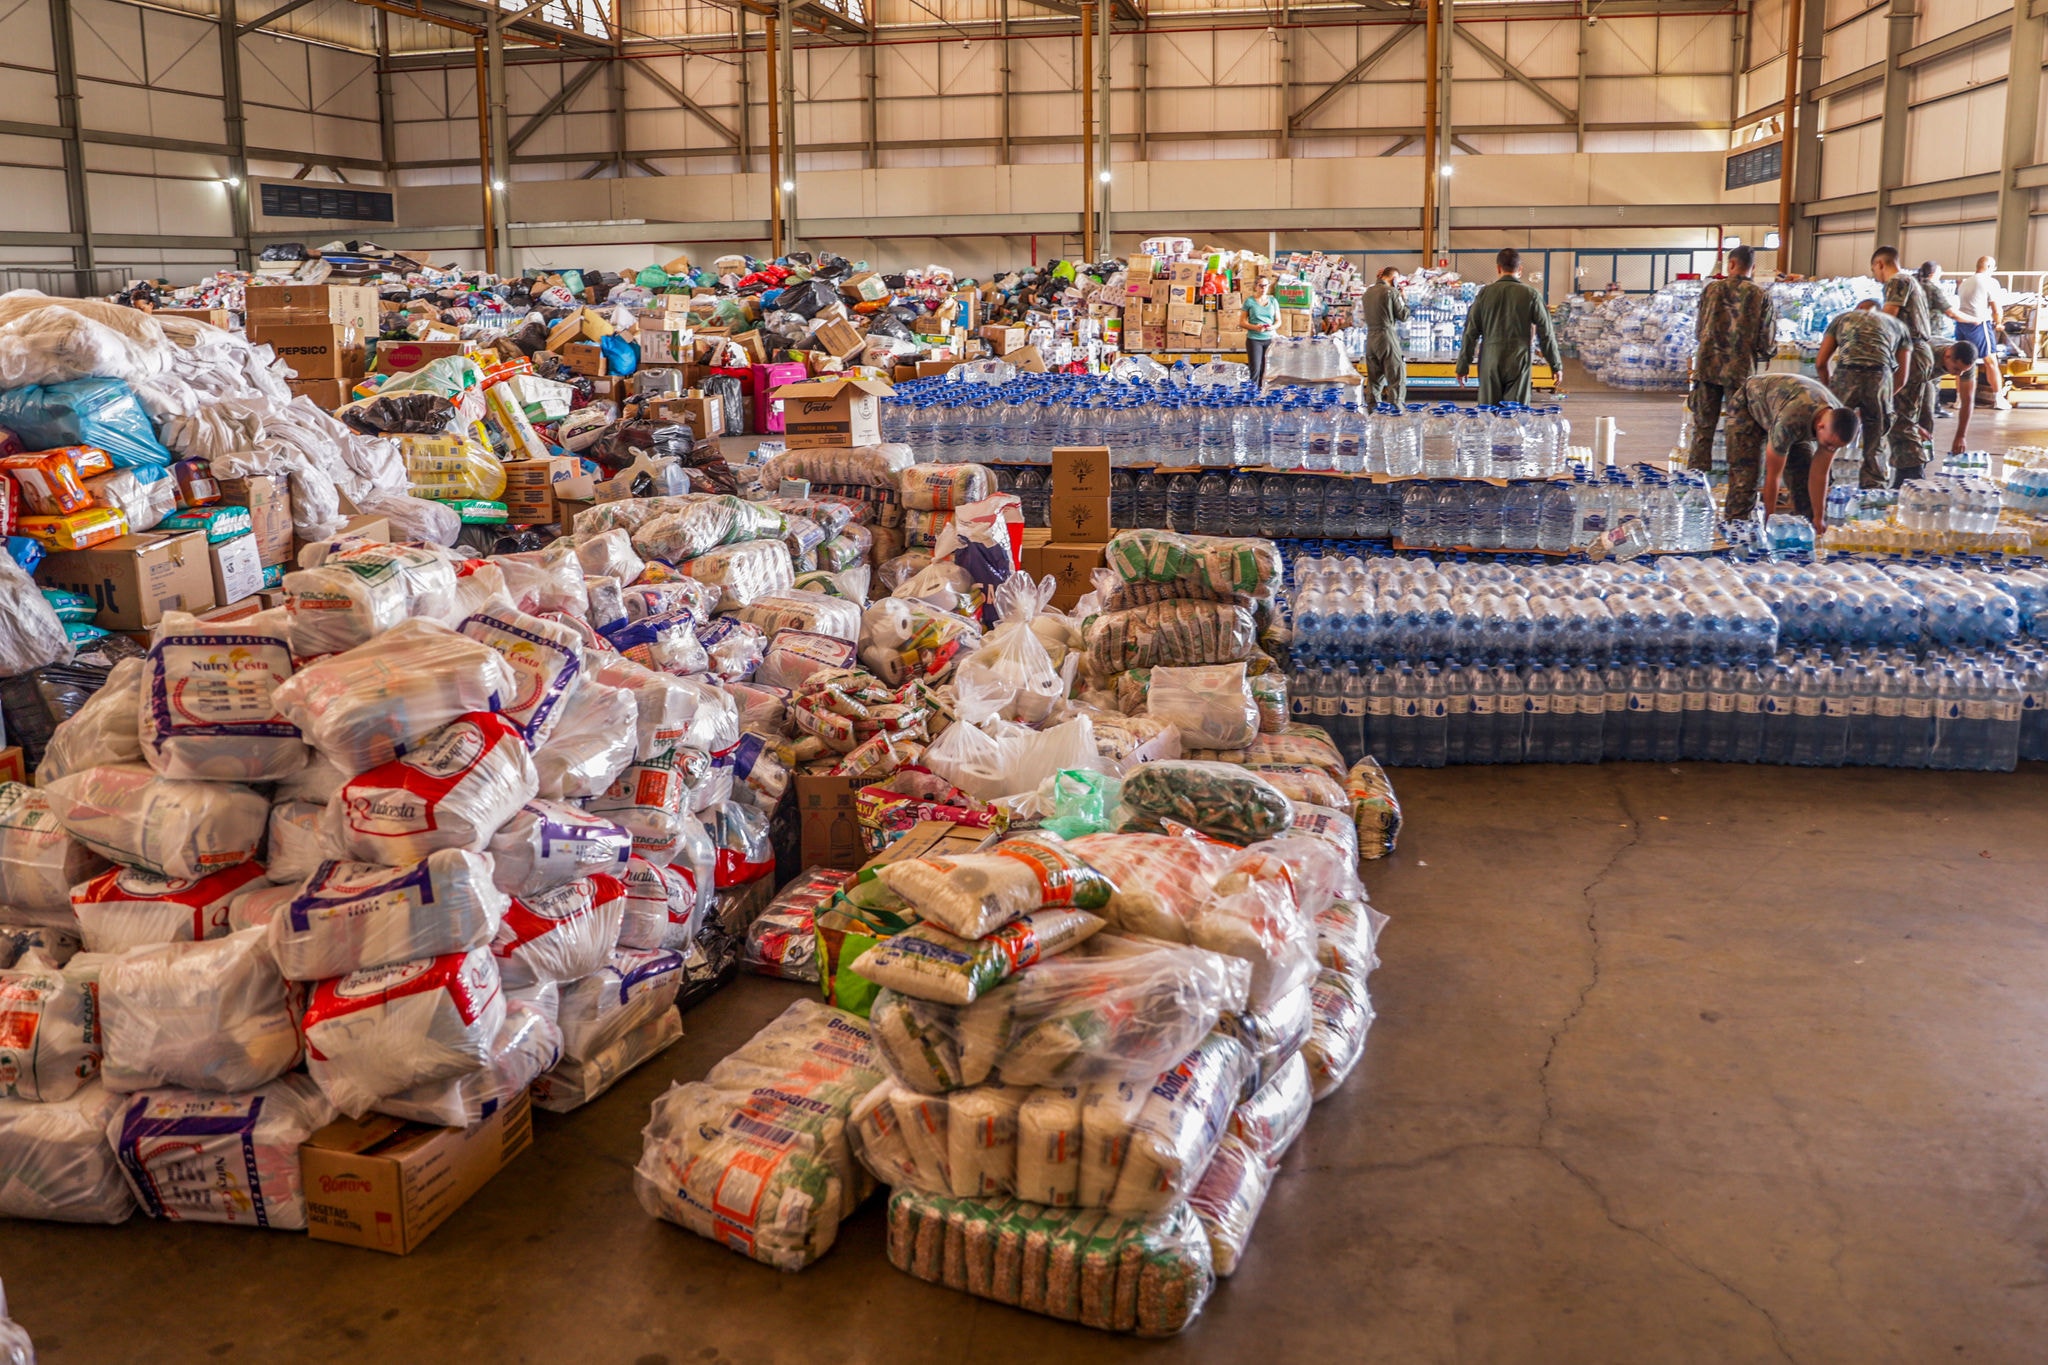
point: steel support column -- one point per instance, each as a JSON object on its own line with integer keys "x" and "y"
{"x": 1141, "y": 59}
{"x": 387, "y": 120}
{"x": 501, "y": 154}
{"x": 1103, "y": 121}
{"x": 617, "y": 72}
{"x": 2022, "y": 131}
{"x": 1084, "y": 75}
{"x": 77, "y": 203}
{"x": 739, "y": 29}
{"x": 237, "y": 130}
{"x": 1003, "y": 89}
{"x": 1891, "y": 145}
{"x": 1284, "y": 125}
{"x": 788, "y": 97}
{"x": 1803, "y": 250}
{"x": 871, "y": 106}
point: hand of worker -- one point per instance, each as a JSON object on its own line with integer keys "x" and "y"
{"x": 1955, "y": 447}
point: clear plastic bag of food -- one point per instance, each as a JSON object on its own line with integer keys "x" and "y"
{"x": 876, "y": 466}
{"x": 1228, "y": 1198}
{"x": 1210, "y": 703}
{"x": 561, "y": 934}
{"x": 39, "y": 862}
{"x": 1302, "y": 782}
{"x": 704, "y": 525}
{"x": 929, "y": 963}
{"x": 745, "y": 572}
{"x": 1269, "y": 694}
{"x": 452, "y": 789}
{"x": 194, "y": 1156}
{"x": 733, "y": 647}
{"x": 902, "y": 639}
{"x": 610, "y": 554}
{"x": 29, "y": 947}
{"x": 546, "y": 660}
{"x": 1144, "y": 1145}
{"x": 795, "y": 655}
{"x": 849, "y": 583}
{"x": 942, "y": 487}
{"x": 682, "y": 594}
{"x": 52, "y": 1044}
{"x": 1309, "y": 745}
{"x": 807, "y": 611}
{"x": 594, "y": 739}
{"x": 208, "y": 710}
{"x": 212, "y": 1015}
{"x": 1215, "y": 798}
{"x": 126, "y": 813}
{"x": 546, "y": 844}
{"x": 974, "y": 894}
{"x": 1273, "y": 1033}
{"x": 673, "y": 711}
{"x": 376, "y": 1032}
{"x": 336, "y": 607}
{"x": 1374, "y": 808}
{"x": 298, "y": 841}
{"x": 1343, "y": 1014}
{"x": 359, "y": 917}
{"x": 1172, "y": 633}
{"x": 1219, "y": 567}
{"x": 107, "y": 729}
{"x": 56, "y": 1163}
{"x": 782, "y": 941}
{"x": 1009, "y": 675}
{"x": 573, "y": 1082}
{"x": 528, "y": 1043}
{"x": 647, "y": 801}
{"x": 632, "y": 987}
{"x": 126, "y": 907}
{"x": 1277, "y": 1111}
{"x": 655, "y": 896}
{"x": 1347, "y": 935}
{"x": 545, "y": 580}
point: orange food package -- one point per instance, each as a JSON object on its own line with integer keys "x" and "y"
{"x": 49, "y": 481}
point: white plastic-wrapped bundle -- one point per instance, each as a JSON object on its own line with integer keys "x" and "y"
{"x": 367, "y": 706}
{"x": 182, "y": 830}
{"x": 975, "y": 894}
{"x": 545, "y": 844}
{"x": 1274, "y": 1116}
{"x": 1167, "y": 1139}
{"x": 107, "y": 729}
{"x": 546, "y": 661}
{"x": 29, "y": 947}
{"x": 667, "y": 706}
{"x": 205, "y": 1016}
{"x": 299, "y": 841}
{"x": 354, "y": 917}
{"x": 528, "y": 1043}
{"x": 198, "y": 1157}
{"x": 128, "y": 907}
{"x": 704, "y": 525}
{"x": 733, "y": 647}
{"x": 1343, "y": 1015}
{"x": 56, "y": 1162}
{"x": 667, "y": 643}
{"x": 452, "y": 789}
{"x": 545, "y": 580}
{"x": 610, "y": 555}
{"x": 1228, "y": 1198}
{"x": 698, "y": 600}
{"x": 632, "y": 987}
{"x": 877, "y": 466}
{"x": 207, "y": 704}
{"x": 1210, "y": 703}
{"x": 574, "y": 1082}
{"x": 49, "y": 1034}
{"x": 654, "y": 895}
{"x": 257, "y": 904}
{"x": 1272, "y": 1034}
{"x": 349, "y": 602}
{"x": 376, "y": 1032}
{"x": 39, "y": 862}
{"x": 795, "y": 655}
{"x": 900, "y": 1137}
{"x": 646, "y": 800}
{"x": 145, "y": 495}
{"x": 799, "y": 610}
{"x": 317, "y": 782}
{"x": 744, "y": 572}
{"x": 595, "y": 737}
{"x": 561, "y": 934}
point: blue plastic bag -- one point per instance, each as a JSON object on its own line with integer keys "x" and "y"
{"x": 621, "y": 356}
{"x": 84, "y": 412}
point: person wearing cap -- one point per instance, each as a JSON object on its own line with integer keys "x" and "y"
{"x": 1738, "y": 333}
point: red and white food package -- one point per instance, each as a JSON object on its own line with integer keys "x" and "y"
{"x": 350, "y": 917}
{"x": 546, "y": 660}
{"x": 647, "y": 801}
{"x": 595, "y": 738}
{"x": 376, "y": 1032}
{"x": 126, "y": 813}
{"x": 528, "y": 1043}
{"x": 451, "y": 790}
{"x": 546, "y": 844}
{"x": 560, "y": 934}
{"x": 126, "y": 907}
{"x": 299, "y": 841}
{"x": 654, "y": 895}
{"x": 633, "y": 987}
{"x": 49, "y": 1036}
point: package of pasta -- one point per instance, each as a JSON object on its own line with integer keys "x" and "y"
{"x": 546, "y": 660}
{"x": 1343, "y": 1014}
{"x": 1347, "y": 932}
{"x": 353, "y": 916}
{"x": 379, "y": 1031}
{"x": 744, "y": 572}
{"x": 810, "y": 611}
{"x": 667, "y": 643}
{"x": 704, "y": 525}
{"x": 626, "y": 514}
{"x": 1303, "y": 782}
{"x": 782, "y": 941}
{"x": 561, "y": 934}
{"x": 1374, "y": 808}
{"x": 929, "y": 963}
{"x": 1228, "y": 1198}
{"x": 545, "y": 844}
{"x": 1217, "y": 799}
{"x": 213, "y": 1015}
{"x": 1306, "y": 745}
{"x": 684, "y": 594}
{"x": 39, "y": 862}
{"x": 207, "y": 703}
{"x": 1217, "y": 566}
{"x": 1149, "y": 1277}
{"x": 876, "y": 466}
{"x": 126, "y": 908}
{"x": 1273, "y": 1033}
{"x": 849, "y": 550}
{"x": 1274, "y": 1116}
{"x": 452, "y": 789}
{"x": 977, "y": 893}
{"x": 183, "y": 830}
{"x": 1175, "y": 633}
{"x": 942, "y": 487}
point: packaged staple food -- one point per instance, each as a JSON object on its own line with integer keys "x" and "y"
{"x": 545, "y": 580}
{"x": 145, "y": 495}
{"x": 899, "y": 1135}
{"x": 1149, "y": 1277}
{"x": 850, "y": 583}
{"x": 128, "y": 907}
{"x": 697, "y": 600}
{"x": 1374, "y": 808}
{"x": 632, "y": 987}
{"x": 545, "y": 844}
{"x": 667, "y": 643}
{"x": 652, "y": 896}
{"x": 1269, "y": 694}
{"x": 646, "y": 800}
{"x": 974, "y": 894}
{"x": 1159, "y": 1145}
{"x": 359, "y": 917}
{"x": 452, "y": 789}
{"x": 298, "y": 841}
{"x": 929, "y": 963}
{"x": 561, "y": 934}
{"x": 796, "y": 655}
{"x": 739, "y": 840}
{"x": 798, "y": 609}
{"x": 208, "y": 709}
{"x": 258, "y": 903}
{"x": 528, "y": 1043}
{"x": 369, "y": 705}
{"x": 594, "y": 739}
{"x": 546, "y": 660}
{"x": 942, "y": 487}
{"x": 29, "y": 947}
{"x": 1343, "y": 1014}
{"x": 39, "y": 862}
{"x": 688, "y": 532}
{"x": 782, "y": 941}
{"x": 673, "y": 711}
{"x": 1332, "y": 826}
{"x": 756, "y": 1155}
{"x": 56, "y": 1162}
{"x": 51, "y": 1046}
{"x": 610, "y": 554}
{"x": 1303, "y": 783}
{"x": 357, "y": 594}
{"x": 1174, "y": 632}
{"x": 1228, "y": 1198}
{"x": 1217, "y": 566}
{"x": 574, "y": 1082}
{"x": 1210, "y": 703}
{"x": 744, "y": 572}
{"x": 317, "y": 782}
{"x": 179, "y": 830}
{"x": 204, "y": 1016}
{"x": 376, "y": 1032}
{"x": 1277, "y": 1111}
{"x": 1217, "y": 799}
{"x": 877, "y": 466}
{"x": 1346, "y": 933}
{"x": 733, "y": 647}
{"x": 1049, "y": 1146}
{"x": 626, "y": 514}
{"x": 107, "y": 729}
{"x": 196, "y": 1157}
{"x": 1274, "y": 1033}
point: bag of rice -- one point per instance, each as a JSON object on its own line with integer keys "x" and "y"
{"x": 39, "y": 862}
{"x": 194, "y": 1156}
{"x": 528, "y": 1043}
{"x": 705, "y": 524}
{"x": 1228, "y": 1198}
{"x": 452, "y": 789}
{"x": 127, "y": 907}
{"x": 545, "y": 844}
{"x": 931, "y": 964}
{"x": 595, "y": 737}
{"x": 56, "y": 1163}
{"x": 1302, "y": 783}
{"x": 797, "y": 609}
{"x": 205, "y": 1016}
{"x": 1343, "y": 1014}
{"x": 546, "y": 660}
{"x": 1175, "y": 1128}
{"x": 182, "y": 830}
{"x": 1274, "y": 1116}
{"x": 357, "y": 917}
{"x": 208, "y": 710}
{"x": 900, "y": 1137}
{"x": 1374, "y": 808}
{"x": 376, "y": 1032}
{"x": 561, "y": 934}
{"x": 981, "y": 1139}
{"x": 50, "y": 1046}
{"x": 107, "y": 729}
{"x": 631, "y": 987}
{"x": 942, "y": 487}
{"x": 1049, "y": 1146}
{"x": 745, "y": 572}
{"x": 574, "y": 1082}
{"x": 974, "y": 894}
{"x": 1347, "y": 933}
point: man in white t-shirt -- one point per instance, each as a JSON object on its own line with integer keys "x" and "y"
{"x": 1977, "y": 320}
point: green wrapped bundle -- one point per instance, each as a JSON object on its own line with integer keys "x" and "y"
{"x": 1215, "y": 798}
{"x": 1208, "y": 566}
{"x": 1174, "y": 632}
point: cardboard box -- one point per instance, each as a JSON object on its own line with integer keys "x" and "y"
{"x": 1230, "y": 341}
{"x": 319, "y": 351}
{"x": 340, "y": 305}
{"x": 13, "y": 764}
{"x": 135, "y": 579}
{"x": 839, "y": 339}
{"x": 531, "y": 487}
{"x": 396, "y": 357}
{"x": 1187, "y": 273}
{"x": 327, "y": 394}
{"x": 1138, "y": 269}
{"x": 269, "y": 500}
{"x": 1027, "y": 360}
{"x": 1071, "y": 567}
{"x": 1080, "y": 469}
{"x": 829, "y": 834}
{"x": 1003, "y": 340}
{"x": 928, "y": 368}
{"x": 702, "y": 413}
{"x": 237, "y": 569}
{"x": 1079, "y": 518}
{"x": 385, "y": 1184}
{"x": 215, "y": 317}
{"x": 585, "y": 357}
{"x": 832, "y": 412}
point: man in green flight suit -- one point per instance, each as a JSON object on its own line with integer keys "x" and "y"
{"x": 1383, "y": 310}
{"x": 1738, "y": 331}
{"x": 1863, "y": 359}
{"x": 1505, "y": 312}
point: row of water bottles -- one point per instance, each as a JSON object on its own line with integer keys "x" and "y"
{"x": 1676, "y": 511}
{"x": 1962, "y": 602}
{"x": 1970, "y": 506}
{"x": 1968, "y": 710}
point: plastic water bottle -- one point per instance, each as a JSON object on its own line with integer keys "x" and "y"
{"x": 1431, "y": 743}
{"x": 1276, "y": 506}
{"x": 1348, "y": 427}
{"x": 1556, "y": 513}
{"x": 1301, "y": 694}
{"x": 1351, "y": 718}
{"x": 1440, "y": 444}
{"x": 1318, "y": 441}
{"x": 1485, "y": 514}
{"x": 1521, "y": 511}
{"x": 1212, "y": 505}
{"x": 1150, "y": 501}
{"x": 1379, "y": 713}
{"x": 1283, "y": 437}
{"x": 1242, "y": 504}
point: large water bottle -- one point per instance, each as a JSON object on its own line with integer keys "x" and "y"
{"x": 1377, "y": 504}
{"x": 1212, "y": 505}
{"x": 1554, "y": 518}
{"x": 1347, "y": 439}
{"x": 1452, "y": 523}
{"x": 1418, "y": 520}
{"x": 1318, "y": 442}
{"x": 1504, "y": 445}
{"x": 1310, "y": 501}
{"x": 1351, "y": 714}
{"x": 1283, "y": 437}
{"x": 1150, "y": 502}
{"x": 1344, "y": 507}
{"x": 1328, "y": 704}
{"x": 1301, "y": 693}
{"x": 1242, "y": 504}
{"x": 1276, "y": 505}
{"x": 1440, "y": 443}
{"x": 1485, "y": 516}
{"x": 1431, "y": 741}
{"x": 1401, "y": 442}
{"x": 1521, "y": 513}
{"x": 1473, "y": 439}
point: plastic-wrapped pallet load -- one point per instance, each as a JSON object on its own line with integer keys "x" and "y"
{"x": 56, "y": 1162}
{"x": 199, "y": 1157}
{"x": 452, "y": 789}
{"x": 575, "y": 1081}
{"x": 378, "y": 1031}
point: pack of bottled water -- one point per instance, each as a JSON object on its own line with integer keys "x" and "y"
{"x": 1636, "y": 341}
{"x": 2026, "y": 487}
{"x": 1950, "y": 503}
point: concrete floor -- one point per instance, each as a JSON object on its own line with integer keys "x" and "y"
{"x": 1672, "y": 1064}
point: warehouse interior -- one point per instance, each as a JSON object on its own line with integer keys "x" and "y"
{"x": 1669, "y": 1060}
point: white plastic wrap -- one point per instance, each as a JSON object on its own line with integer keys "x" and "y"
{"x": 107, "y": 729}
{"x": 698, "y": 600}
{"x": 528, "y": 1043}
{"x": 546, "y": 661}
{"x": 31, "y": 636}
{"x": 942, "y": 487}
{"x": 345, "y": 602}
{"x": 1274, "y": 1116}
{"x": 126, "y": 813}
{"x": 365, "y": 707}
{"x": 39, "y": 862}
{"x": 56, "y": 1163}
{"x": 1210, "y": 703}
{"x": 574, "y": 1082}
{"x": 974, "y": 894}
{"x": 631, "y": 988}
{"x": 595, "y": 737}
{"x": 1228, "y": 1198}
{"x": 317, "y": 782}
{"x": 646, "y": 800}
{"x": 561, "y": 934}
{"x": 1158, "y": 1142}
{"x": 358, "y": 917}
{"x": 145, "y": 495}
{"x": 672, "y": 710}
{"x": 610, "y": 554}
{"x": 545, "y": 844}
{"x": 51, "y": 1043}
{"x": 545, "y": 580}
{"x": 207, "y": 710}
{"x": 377, "y": 1032}
{"x": 452, "y": 789}
{"x": 707, "y": 523}
{"x": 793, "y": 656}
{"x": 654, "y": 895}
{"x": 745, "y": 572}
{"x": 667, "y": 643}
{"x": 299, "y": 841}
{"x": 127, "y": 907}
{"x": 1011, "y": 675}
{"x": 257, "y": 904}
{"x": 30, "y": 947}
{"x": 799, "y": 610}
{"x": 877, "y": 466}
{"x": 198, "y": 1157}
{"x": 206, "y": 1016}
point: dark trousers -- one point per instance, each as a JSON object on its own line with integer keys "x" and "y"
{"x": 1867, "y": 390}
{"x": 1255, "y": 352}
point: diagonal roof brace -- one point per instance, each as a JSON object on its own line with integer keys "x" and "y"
{"x": 556, "y": 103}
{"x": 675, "y": 92}
{"x": 1356, "y": 73}
{"x": 1514, "y": 73}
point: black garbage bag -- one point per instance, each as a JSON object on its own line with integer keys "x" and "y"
{"x": 284, "y": 251}
{"x": 731, "y": 396}
{"x": 831, "y": 267}
{"x": 422, "y": 413}
{"x": 890, "y": 324}
{"x": 808, "y": 299}
{"x": 530, "y": 337}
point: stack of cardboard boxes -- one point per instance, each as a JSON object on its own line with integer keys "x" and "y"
{"x": 317, "y": 329}
{"x": 1181, "y": 305}
{"x": 1074, "y": 546}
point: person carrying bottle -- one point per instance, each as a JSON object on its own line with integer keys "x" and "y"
{"x": 1785, "y": 424}
{"x": 1913, "y": 414}
{"x": 1863, "y": 360}
{"x": 1505, "y": 313}
{"x": 1383, "y": 310}
{"x": 1260, "y": 313}
{"x": 1738, "y": 331}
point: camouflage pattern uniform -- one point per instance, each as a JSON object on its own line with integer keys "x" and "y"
{"x": 1862, "y": 374}
{"x": 1738, "y": 331}
{"x": 1504, "y": 314}
{"x": 1386, "y": 362}
{"x": 1916, "y": 401}
{"x": 1778, "y": 411}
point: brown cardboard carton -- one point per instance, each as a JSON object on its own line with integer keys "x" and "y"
{"x": 384, "y": 1184}
{"x": 927, "y": 368}
{"x": 829, "y": 834}
{"x": 237, "y": 569}
{"x": 135, "y": 579}
{"x": 1081, "y": 469}
{"x": 839, "y": 339}
{"x": 396, "y": 357}
{"x": 585, "y": 357}
{"x": 215, "y": 317}
{"x": 1071, "y": 567}
{"x": 832, "y": 412}
{"x": 1230, "y": 340}
{"x": 341, "y": 305}
{"x": 319, "y": 351}
{"x": 367, "y": 525}
{"x": 13, "y": 764}
{"x": 269, "y": 500}
{"x": 327, "y": 394}
{"x": 1138, "y": 269}
{"x": 1079, "y": 518}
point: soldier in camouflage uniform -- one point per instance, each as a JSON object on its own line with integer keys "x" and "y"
{"x": 1784, "y": 426}
{"x": 1383, "y": 310}
{"x": 1913, "y": 414}
{"x": 1738, "y": 331}
{"x": 1863, "y": 358}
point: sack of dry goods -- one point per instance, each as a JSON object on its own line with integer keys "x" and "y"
{"x": 385, "y": 1029}
{"x": 352, "y": 916}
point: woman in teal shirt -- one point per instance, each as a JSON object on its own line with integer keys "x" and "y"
{"x": 1260, "y": 313}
